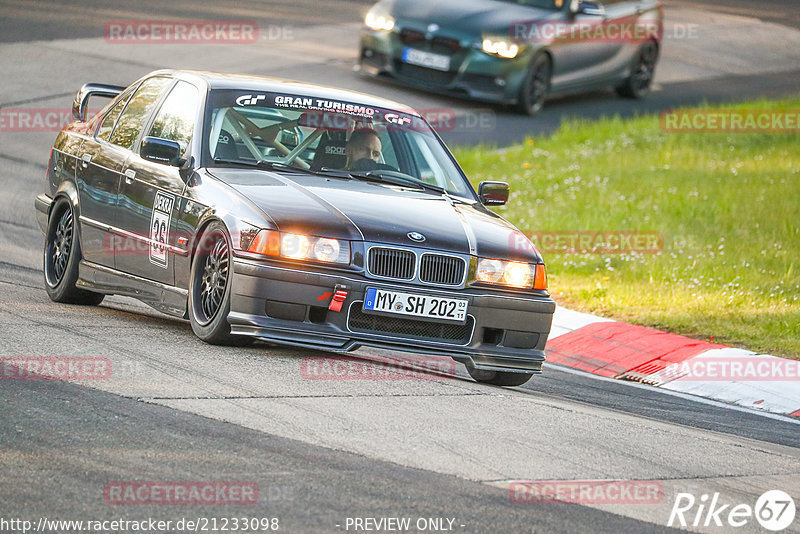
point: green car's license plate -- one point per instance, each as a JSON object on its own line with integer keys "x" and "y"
{"x": 426, "y": 59}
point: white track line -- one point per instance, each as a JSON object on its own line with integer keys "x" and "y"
{"x": 701, "y": 400}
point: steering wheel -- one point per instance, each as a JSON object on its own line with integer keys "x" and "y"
{"x": 364, "y": 165}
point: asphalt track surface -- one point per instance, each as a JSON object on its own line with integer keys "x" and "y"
{"x": 322, "y": 451}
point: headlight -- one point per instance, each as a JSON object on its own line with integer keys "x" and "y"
{"x": 294, "y": 246}
{"x": 379, "y": 22}
{"x": 300, "y": 247}
{"x": 500, "y": 47}
{"x": 327, "y": 249}
{"x": 511, "y": 273}
{"x": 490, "y": 271}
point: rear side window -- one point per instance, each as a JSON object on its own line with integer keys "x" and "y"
{"x": 111, "y": 117}
{"x": 176, "y": 118}
{"x": 132, "y": 120}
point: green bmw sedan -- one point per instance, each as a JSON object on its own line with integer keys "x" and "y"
{"x": 514, "y": 52}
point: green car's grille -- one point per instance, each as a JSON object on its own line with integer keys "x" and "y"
{"x": 423, "y": 74}
{"x": 438, "y": 44}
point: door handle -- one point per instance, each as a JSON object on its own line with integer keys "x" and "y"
{"x": 85, "y": 159}
{"x": 130, "y": 174}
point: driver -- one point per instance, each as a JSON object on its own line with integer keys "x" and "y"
{"x": 363, "y": 144}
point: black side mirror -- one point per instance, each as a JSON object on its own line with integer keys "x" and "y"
{"x": 162, "y": 151}
{"x": 493, "y": 193}
{"x": 585, "y": 7}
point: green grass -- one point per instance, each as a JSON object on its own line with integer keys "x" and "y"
{"x": 727, "y": 205}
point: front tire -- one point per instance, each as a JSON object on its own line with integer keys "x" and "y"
{"x": 638, "y": 83}
{"x": 210, "y": 290}
{"x": 534, "y": 89}
{"x": 62, "y": 257}
{"x": 498, "y": 378}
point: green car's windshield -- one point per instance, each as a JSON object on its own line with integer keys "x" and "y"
{"x": 324, "y": 136}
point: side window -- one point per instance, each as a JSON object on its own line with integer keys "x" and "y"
{"x": 104, "y": 132}
{"x": 132, "y": 120}
{"x": 176, "y": 118}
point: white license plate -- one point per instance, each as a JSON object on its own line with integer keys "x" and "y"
{"x": 426, "y": 59}
{"x": 445, "y": 309}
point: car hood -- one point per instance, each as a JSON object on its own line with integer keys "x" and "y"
{"x": 377, "y": 213}
{"x": 476, "y": 17}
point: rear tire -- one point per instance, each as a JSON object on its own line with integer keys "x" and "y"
{"x": 210, "y": 289}
{"x": 534, "y": 89}
{"x": 498, "y": 378}
{"x": 62, "y": 257}
{"x": 638, "y": 83}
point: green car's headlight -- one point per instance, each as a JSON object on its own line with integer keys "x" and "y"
{"x": 500, "y": 47}
{"x": 379, "y": 21}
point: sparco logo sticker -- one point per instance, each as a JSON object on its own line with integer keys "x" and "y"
{"x": 159, "y": 228}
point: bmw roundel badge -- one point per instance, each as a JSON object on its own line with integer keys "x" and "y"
{"x": 416, "y": 236}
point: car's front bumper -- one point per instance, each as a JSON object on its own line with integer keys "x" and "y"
{"x": 289, "y": 304}
{"x": 474, "y": 74}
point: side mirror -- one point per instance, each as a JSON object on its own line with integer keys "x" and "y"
{"x": 493, "y": 193}
{"x": 161, "y": 151}
{"x": 585, "y": 7}
{"x": 81, "y": 101}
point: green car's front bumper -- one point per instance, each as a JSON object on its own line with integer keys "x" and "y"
{"x": 473, "y": 73}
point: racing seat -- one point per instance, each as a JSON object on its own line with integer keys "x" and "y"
{"x": 226, "y": 146}
{"x": 331, "y": 151}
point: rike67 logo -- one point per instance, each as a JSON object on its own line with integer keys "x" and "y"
{"x": 774, "y": 510}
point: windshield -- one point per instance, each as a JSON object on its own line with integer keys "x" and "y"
{"x": 323, "y": 136}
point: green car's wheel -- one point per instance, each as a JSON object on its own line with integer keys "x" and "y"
{"x": 536, "y": 86}
{"x": 638, "y": 83}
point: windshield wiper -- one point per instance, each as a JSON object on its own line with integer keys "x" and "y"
{"x": 386, "y": 176}
{"x": 261, "y": 164}
{"x": 399, "y": 178}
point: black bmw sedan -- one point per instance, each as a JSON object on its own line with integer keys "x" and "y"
{"x": 291, "y": 213}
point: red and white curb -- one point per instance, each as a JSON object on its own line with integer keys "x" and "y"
{"x": 628, "y": 352}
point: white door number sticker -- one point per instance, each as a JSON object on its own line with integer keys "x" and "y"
{"x": 159, "y": 228}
